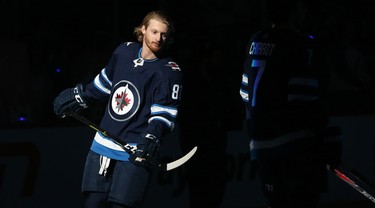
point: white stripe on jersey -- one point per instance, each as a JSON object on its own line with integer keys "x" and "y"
{"x": 98, "y": 84}
{"x": 245, "y": 80}
{"x": 169, "y": 123}
{"x": 104, "y": 75}
{"x": 159, "y": 109}
{"x": 244, "y": 95}
{"x": 107, "y": 143}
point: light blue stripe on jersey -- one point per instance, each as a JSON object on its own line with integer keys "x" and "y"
{"x": 104, "y": 146}
{"x": 306, "y": 83}
{"x": 99, "y": 85}
{"x": 303, "y": 82}
{"x": 104, "y": 75}
{"x": 302, "y": 97}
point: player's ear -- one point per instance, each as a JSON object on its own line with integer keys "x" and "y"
{"x": 143, "y": 29}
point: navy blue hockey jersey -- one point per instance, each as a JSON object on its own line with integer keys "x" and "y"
{"x": 143, "y": 97}
{"x": 280, "y": 88}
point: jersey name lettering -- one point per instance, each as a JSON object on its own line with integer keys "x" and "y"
{"x": 258, "y": 48}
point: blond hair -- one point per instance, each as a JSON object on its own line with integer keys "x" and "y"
{"x": 156, "y": 15}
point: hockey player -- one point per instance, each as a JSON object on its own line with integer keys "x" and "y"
{"x": 142, "y": 88}
{"x": 281, "y": 90}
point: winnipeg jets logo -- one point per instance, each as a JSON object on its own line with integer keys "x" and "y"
{"x": 174, "y": 66}
{"x": 124, "y": 101}
{"x": 138, "y": 62}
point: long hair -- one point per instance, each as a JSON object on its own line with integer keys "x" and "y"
{"x": 156, "y": 15}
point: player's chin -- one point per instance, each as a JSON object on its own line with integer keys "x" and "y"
{"x": 155, "y": 48}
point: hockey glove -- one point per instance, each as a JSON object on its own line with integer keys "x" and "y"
{"x": 331, "y": 148}
{"x": 71, "y": 99}
{"x": 146, "y": 152}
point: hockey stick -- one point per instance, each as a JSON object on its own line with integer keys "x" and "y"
{"x": 130, "y": 149}
{"x": 362, "y": 178}
{"x": 353, "y": 184}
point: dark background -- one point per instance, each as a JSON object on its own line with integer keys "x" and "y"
{"x": 77, "y": 38}
{"x": 47, "y": 46}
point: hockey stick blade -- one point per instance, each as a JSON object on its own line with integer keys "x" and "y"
{"x": 353, "y": 184}
{"x": 181, "y": 161}
{"x": 130, "y": 149}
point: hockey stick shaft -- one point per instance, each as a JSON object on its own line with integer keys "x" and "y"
{"x": 353, "y": 184}
{"x": 362, "y": 178}
{"x": 130, "y": 149}
{"x": 125, "y": 146}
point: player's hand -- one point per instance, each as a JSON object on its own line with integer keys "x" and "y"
{"x": 71, "y": 99}
{"x": 147, "y": 151}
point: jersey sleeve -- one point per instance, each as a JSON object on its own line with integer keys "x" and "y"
{"x": 246, "y": 87}
{"x": 99, "y": 89}
{"x": 244, "y": 92}
{"x": 166, "y": 101}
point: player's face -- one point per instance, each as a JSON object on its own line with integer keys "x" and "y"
{"x": 154, "y": 35}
